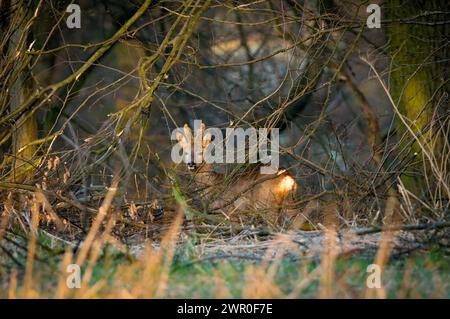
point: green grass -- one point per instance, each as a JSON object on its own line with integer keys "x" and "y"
{"x": 422, "y": 274}
{"x": 430, "y": 276}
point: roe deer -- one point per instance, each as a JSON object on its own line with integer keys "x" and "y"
{"x": 247, "y": 189}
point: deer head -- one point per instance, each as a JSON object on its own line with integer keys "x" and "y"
{"x": 193, "y": 145}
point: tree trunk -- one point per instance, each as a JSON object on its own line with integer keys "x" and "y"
{"x": 25, "y": 129}
{"x": 419, "y": 50}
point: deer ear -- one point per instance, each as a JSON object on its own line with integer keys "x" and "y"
{"x": 187, "y": 130}
{"x": 179, "y": 137}
{"x": 207, "y": 138}
{"x": 199, "y": 132}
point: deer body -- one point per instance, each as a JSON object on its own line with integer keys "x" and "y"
{"x": 245, "y": 189}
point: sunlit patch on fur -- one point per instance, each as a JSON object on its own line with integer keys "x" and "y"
{"x": 286, "y": 184}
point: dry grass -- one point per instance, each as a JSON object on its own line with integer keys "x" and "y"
{"x": 253, "y": 263}
{"x": 111, "y": 201}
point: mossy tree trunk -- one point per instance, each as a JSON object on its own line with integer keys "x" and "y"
{"x": 25, "y": 129}
{"x": 419, "y": 50}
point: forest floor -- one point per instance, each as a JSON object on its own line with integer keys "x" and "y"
{"x": 301, "y": 264}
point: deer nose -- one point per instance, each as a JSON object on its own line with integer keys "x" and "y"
{"x": 191, "y": 165}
